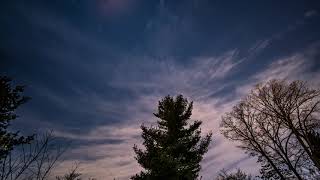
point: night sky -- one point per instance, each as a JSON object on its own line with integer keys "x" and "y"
{"x": 96, "y": 69}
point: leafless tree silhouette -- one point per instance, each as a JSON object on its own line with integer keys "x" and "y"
{"x": 273, "y": 123}
{"x": 32, "y": 161}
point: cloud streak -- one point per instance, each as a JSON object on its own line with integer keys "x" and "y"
{"x": 170, "y": 78}
{"x": 99, "y": 88}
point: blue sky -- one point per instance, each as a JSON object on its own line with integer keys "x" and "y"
{"x": 96, "y": 69}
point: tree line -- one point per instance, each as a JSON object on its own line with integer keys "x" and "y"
{"x": 277, "y": 123}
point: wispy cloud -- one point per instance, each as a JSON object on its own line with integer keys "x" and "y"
{"x": 164, "y": 77}
{"x": 98, "y": 94}
{"x": 310, "y": 13}
{"x": 151, "y": 79}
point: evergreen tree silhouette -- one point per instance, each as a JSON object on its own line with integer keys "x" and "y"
{"x": 173, "y": 148}
{"x": 10, "y": 99}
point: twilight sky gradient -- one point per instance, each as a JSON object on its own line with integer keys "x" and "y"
{"x": 95, "y": 69}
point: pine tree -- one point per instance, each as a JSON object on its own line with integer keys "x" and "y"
{"x": 173, "y": 148}
{"x": 10, "y": 100}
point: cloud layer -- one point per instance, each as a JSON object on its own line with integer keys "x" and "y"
{"x": 97, "y": 70}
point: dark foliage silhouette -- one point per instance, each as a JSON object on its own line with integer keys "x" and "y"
{"x": 173, "y": 148}
{"x": 238, "y": 175}
{"x": 73, "y": 174}
{"x": 10, "y": 99}
{"x": 314, "y": 139}
{"x": 23, "y": 157}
